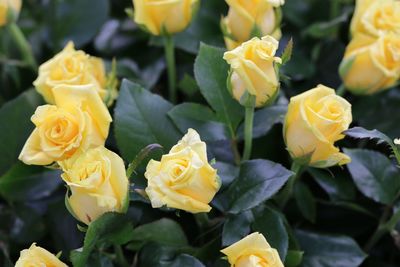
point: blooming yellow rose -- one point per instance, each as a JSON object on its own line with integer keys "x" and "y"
{"x": 37, "y": 256}
{"x": 98, "y": 183}
{"x": 371, "y": 65}
{"x": 376, "y": 18}
{"x": 73, "y": 67}
{"x": 253, "y": 70}
{"x": 252, "y": 251}
{"x": 79, "y": 120}
{"x": 9, "y": 9}
{"x": 250, "y": 18}
{"x": 183, "y": 179}
{"x": 315, "y": 120}
{"x": 164, "y": 16}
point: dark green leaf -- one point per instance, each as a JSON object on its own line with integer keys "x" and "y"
{"x": 287, "y": 52}
{"x": 305, "y": 201}
{"x": 211, "y": 72}
{"x": 111, "y": 227}
{"x": 258, "y": 181}
{"x": 236, "y": 227}
{"x": 293, "y": 258}
{"x": 374, "y": 174}
{"x": 141, "y": 119}
{"x": 164, "y": 232}
{"x": 15, "y": 117}
{"x": 271, "y": 225}
{"x": 200, "y": 118}
{"x": 329, "y": 251}
{"x": 186, "y": 260}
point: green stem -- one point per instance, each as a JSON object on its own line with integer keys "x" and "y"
{"x": 341, "y": 90}
{"x": 334, "y": 13}
{"x": 23, "y": 45}
{"x": 287, "y": 191}
{"x": 380, "y": 230}
{"x": 171, "y": 68}
{"x": 235, "y": 149}
{"x": 120, "y": 258}
{"x": 248, "y": 132}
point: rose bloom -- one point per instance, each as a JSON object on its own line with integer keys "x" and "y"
{"x": 253, "y": 70}
{"x": 164, "y": 16}
{"x": 315, "y": 120}
{"x": 371, "y": 65}
{"x": 98, "y": 183}
{"x": 250, "y": 18}
{"x": 73, "y": 67}
{"x": 9, "y": 9}
{"x": 79, "y": 120}
{"x": 183, "y": 179}
{"x": 376, "y": 18}
{"x": 252, "y": 251}
{"x": 37, "y": 256}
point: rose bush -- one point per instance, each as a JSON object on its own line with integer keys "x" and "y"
{"x": 199, "y": 133}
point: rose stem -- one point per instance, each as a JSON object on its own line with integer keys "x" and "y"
{"x": 287, "y": 191}
{"x": 248, "y": 132}
{"x": 170, "y": 57}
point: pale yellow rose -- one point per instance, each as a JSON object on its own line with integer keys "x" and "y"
{"x": 79, "y": 120}
{"x": 315, "y": 120}
{"x": 371, "y": 65}
{"x": 38, "y": 257}
{"x": 252, "y": 251}
{"x": 253, "y": 66}
{"x": 376, "y": 18}
{"x": 98, "y": 183}
{"x": 397, "y": 141}
{"x": 9, "y": 9}
{"x": 73, "y": 67}
{"x": 164, "y": 16}
{"x": 183, "y": 179}
{"x": 251, "y": 18}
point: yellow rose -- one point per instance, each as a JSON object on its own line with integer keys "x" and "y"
{"x": 183, "y": 179}
{"x": 253, "y": 70}
{"x": 314, "y": 122}
{"x": 251, "y": 18}
{"x": 72, "y": 67}
{"x": 98, "y": 183}
{"x": 376, "y": 18}
{"x": 252, "y": 251}
{"x": 79, "y": 120}
{"x": 37, "y": 256}
{"x": 164, "y": 16}
{"x": 371, "y": 65}
{"x": 9, "y": 10}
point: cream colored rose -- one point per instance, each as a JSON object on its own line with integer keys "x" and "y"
{"x": 98, "y": 183}
{"x": 376, "y": 18}
{"x": 73, "y": 67}
{"x": 371, "y": 65}
{"x": 252, "y": 251}
{"x": 253, "y": 70}
{"x": 164, "y": 16}
{"x": 36, "y": 256}
{"x": 251, "y": 18}
{"x": 183, "y": 179}
{"x": 79, "y": 120}
{"x": 397, "y": 141}
{"x": 9, "y": 9}
{"x": 315, "y": 120}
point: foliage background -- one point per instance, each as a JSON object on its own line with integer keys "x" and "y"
{"x": 326, "y": 204}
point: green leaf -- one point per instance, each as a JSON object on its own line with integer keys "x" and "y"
{"x": 141, "y": 119}
{"x": 164, "y": 232}
{"x": 188, "y": 85}
{"x": 374, "y": 174}
{"x": 294, "y": 258}
{"x": 200, "y": 118}
{"x": 265, "y": 119}
{"x": 258, "y": 181}
{"x": 15, "y": 117}
{"x": 114, "y": 228}
{"x": 305, "y": 201}
{"x": 84, "y": 20}
{"x": 236, "y": 227}
{"x": 329, "y": 251}
{"x": 270, "y": 223}
{"x": 287, "y": 52}
{"x": 186, "y": 260}
{"x": 140, "y": 157}
{"x": 211, "y": 71}
{"x": 361, "y": 133}
{"x": 25, "y": 183}
{"x": 326, "y": 28}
